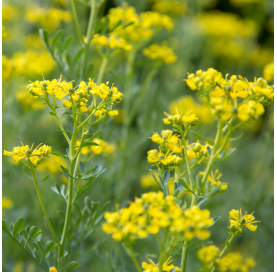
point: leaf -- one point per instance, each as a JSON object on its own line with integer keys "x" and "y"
{"x": 49, "y": 246}
{"x": 4, "y": 227}
{"x": 65, "y": 131}
{"x": 116, "y": 26}
{"x": 44, "y": 35}
{"x": 44, "y": 179}
{"x": 227, "y": 154}
{"x": 215, "y": 220}
{"x": 201, "y": 200}
{"x": 56, "y": 189}
{"x": 209, "y": 151}
{"x": 202, "y": 137}
{"x": 71, "y": 265}
{"x": 95, "y": 134}
{"x": 58, "y": 154}
{"x": 27, "y": 174}
{"x": 186, "y": 186}
{"x": 18, "y": 225}
{"x": 154, "y": 177}
{"x": 105, "y": 25}
{"x": 66, "y": 172}
{"x": 89, "y": 144}
{"x": 166, "y": 177}
{"x": 236, "y": 138}
{"x": 52, "y": 113}
{"x": 56, "y": 38}
{"x": 68, "y": 41}
{"x": 78, "y": 55}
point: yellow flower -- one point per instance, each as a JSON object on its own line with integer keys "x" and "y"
{"x": 67, "y": 104}
{"x": 6, "y": 203}
{"x": 152, "y": 267}
{"x": 167, "y": 6}
{"x": 269, "y": 72}
{"x": 208, "y": 254}
{"x": 147, "y": 181}
{"x": 53, "y": 269}
{"x": 24, "y": 152}
{"x": 113, "y": 113}
{"x": 250, "y": 110}
{"x": 162, "y": 53}
{"x": 237, "y": 221}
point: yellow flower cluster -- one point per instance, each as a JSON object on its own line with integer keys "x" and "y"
{"x": 147, "y": 181}
{"x": 4, "y": 33}
{"x": 238, "y": 221}
{"x": 80, "y": 94}
{"x": 269, "y": 72}
{"x": 187, "y": 119}
{"x": 151, "y": 213}
{"x": 152, "y": 267}
{"x": 29, "y": 64}
{"x": 6, "y": 203}
{"x": 111, "y": 41}
{"x": 52, "y": 165}
{"x": 102, "y": 148}
{"x": 197, "y": 150}
{"x": 229, "y": 34}
{"x": 214, "y": 179}
{"x": 143, "y": 25}
{"x": 9, "y": 13}
{"x": 209, "y": 256}
{"x": 201, "y": 110}
{"x": 160, "y": 52}
{"x": 219, "y": 90}
{"x": 28, "y": 101}
{"x": 169, "y": 6}
{"x": 48, "y": 18}
{"x": 25, "y": 152}
{"x": 157, "y": 157}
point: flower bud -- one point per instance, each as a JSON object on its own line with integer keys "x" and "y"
{"x": 197, "y": 147}
{"x": 44, "y": 85}
{"x": 177, "y": 119}
{"x": 28, "y": 152}
{"x": 261, "y": 82}
{"x": 71, "y": 91}
{"x": 177, "y": 161}
{"x": 194, "y": 122}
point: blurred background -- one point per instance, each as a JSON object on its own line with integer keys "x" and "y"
{"x": 232, "y": 36}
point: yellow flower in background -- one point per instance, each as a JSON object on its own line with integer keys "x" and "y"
{"x": 53, "y": 269}
{"x": 231, "y": 261}
{"x": 248, "y": 263}
{"x": 52, "y": 165}
{"x": 34, "y": 41}
{"x": 142, "y": 26}
{"x": 208, "y": 254}
{"x": 102, "y": 148}
{"x": 18, "y": 267}
{"x": 9, "y": 13}
{"x": 238, "y": 221}
{"x": 268, "y": 72}
{"x": 47, "y": 18}
{"x": 4, "y": 33}
{"x": 229, "y": 34}
{"x": 30, "y": 64}
{"x": 169, "y": 6}
{"x": 28, "y": 101}
{"x": 111, "y": 41}
{"x": 261, "y": 56}
{"x": 214, "y": 179}
{"x": 7, "y": 203}
{"x": 185, "y": 103}
{"x": 250, "y": 110}
{"x": 147, "y": 181}
{"x": 160, "y": 52}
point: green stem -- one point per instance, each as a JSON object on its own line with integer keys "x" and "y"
{"x": 227, "y": 244}
{"x": 76, "y": 20}
{"x": 184, "y": 257}
{"x": 193, "y": 166}
{"x": 141, "y": 95}
{"x": 133, "y": 257}
{"x": 70, "y": 194}
{"x": 213, "y": 153}
{"x": 102, "y": 70}
{"x": 88, "y": 36}
{"x": 43, "y": 206}
{"x": 191, "y": 180}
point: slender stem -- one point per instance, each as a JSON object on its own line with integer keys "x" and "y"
{"x": 227, "y": 244}
{"x": 57, "y": 118}
{"x": 70, "y": 193}
{"x": 98, "y": 120}
{"x": 141, "y": 95}
{"x": 76, "y": 20}
{"x": 184, "y": 257}
{"x": 102, "y": 70}
{"x": 191, "y": 180}
{"x": 43, "y": 206}
{"x": 133, "y": 257}
{"x": 88, "y": 36}
{"x": 213, "y": 153}
{"x": 193, "y": 166}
